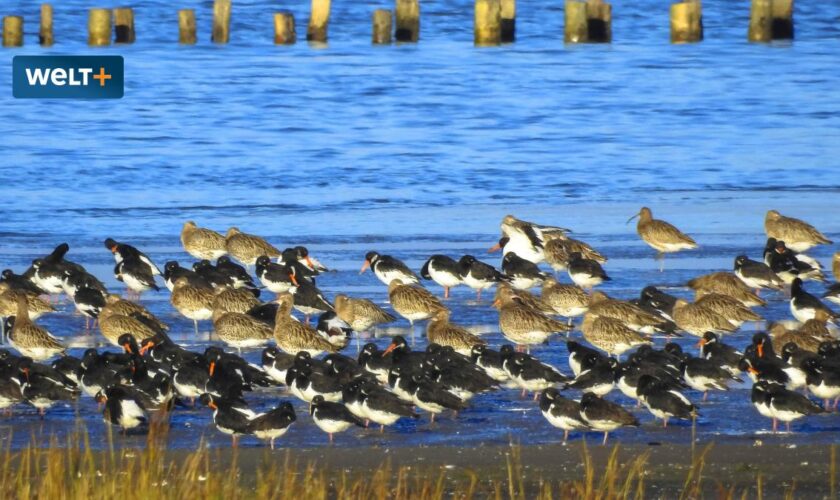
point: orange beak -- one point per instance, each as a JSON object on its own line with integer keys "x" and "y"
{"x": 752, "y": 370}
{"x": 760, "y": 350}
{"x": 494, "y": 248}
{"x": 700, "y": 343}
{"x": 26, "y": 372}
{"x": 365, "y": 266}
{"x": 146, "y": 348}
{"x": 212, "y": 405}
{"x": 127, "y": 347}
{"x": 497, "y": 303}
{"x": 212, "y": 367}
{"x": 114, "y": 249}
{"x": 389, "y": 349}
{"x": 309, "y": 261}
{"x": 294, "y": 279}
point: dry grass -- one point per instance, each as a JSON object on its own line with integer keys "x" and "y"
{"x": 74, "y": 470}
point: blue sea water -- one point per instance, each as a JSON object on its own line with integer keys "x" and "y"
{"x": 419, "y": 149}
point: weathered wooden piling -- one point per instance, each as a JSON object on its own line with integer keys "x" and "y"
{"x": 124, "y": 25}
{"x": 12, "y": 31}
{"x": 186, "y": 27}
{"x": 761, "y": 21}
{"x": 382, "y": 26}
{"x": 319, "y": 19}
{"x": 599, "y": 21}
{"x": 508, "y": 21}
{"x": 408, "y": 21}
{"x": 284, "y": 28}
{"x": 488, "y": 22}
{"x": 221, "y": 21}
{"x": 686, "y": 22}
{"x": 576, "y": 28}
{"x": 782, "y": 26}
{"x": 99, "y": 27}
{"x": 45, "y": 34}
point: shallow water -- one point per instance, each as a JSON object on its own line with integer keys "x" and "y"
{"x": 419, "y": 149}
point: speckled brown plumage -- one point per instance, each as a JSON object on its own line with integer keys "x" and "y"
{"x": 361, "y": 314}
{"x": 661, "y": 235}
{"x": 238, "y": 300}
{"x": 697, "y": 320}
{"x": 779, "y": 335}
{"x": 202, "y": 243}
{"x": 440, "y": 331}
{"x": 240, "y": 330}
{"x": 728, "y": 307}
{"x": 413, "y": 302}
{"x": 113, "y": 325}
{"x": 797, "y": 235}
{"x": 114, "y": 304}
{"x": 632, "y": 316}
{"x": 726, "y": 283}
{"x": 292, "y": 336}
{"x": 835, "y": 266}
{"x": 36, "y": 306}
{"x": 526, "y": 297}
{"x": 523, "y": 325}
{"x": 566, "y": 300}
{"x": 609, "y": 334}
{"x": 30, "y": 339}
{"x": 559, "y": 247}
{"x": 246, "y": 248}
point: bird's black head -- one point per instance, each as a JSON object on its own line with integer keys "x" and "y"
{"x": 673, "y": 349}
{"x": 372, "y": 257}
{"x": 507, "y": 351}
{"x": 171, "y": 266}
{"x": 111, "y": 244}
{"x": 301, "y": 251}
{"x": 207, "y": 400}
{"x": 780, "y": 246}
{"x": 224, "y": 259}
{"x": 466, "y": 260}
{"x": 740, "y": 261}
{"x": 588, "y": 398}
{"x": 270, "y": 353}
{"x": 796, "y": 285}
{"x": 789, "y": 350}
{"x": 213, "y": 353}
{"x": 263, "y": 260}
{"x": 8, "y": 273}
{"x": 37, "y": 263}
{"x": 649, "y": 292}
{"x": 288, "y": 410}
{"x": 128, "y": 343}
{"x": 710, "y": 338}
{"x": 575, "y": 256}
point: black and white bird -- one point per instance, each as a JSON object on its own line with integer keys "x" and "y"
{"x": 490, "y": 361}
{"x": 706, "y": 375}
{"x": 444, "y": 271}
{"x": 388, "y": 269}
{"x": 432, "y": 397}
{"x": 230, "y": 417}
{"x": 276, "y": 363}
{"x": 332, "y": 417}
{"x": 523, "y": 273}
{"x": 124, "y": 251}
{"x": 277, "y": 278}
{"x": 724, "y": 355}
{"x": 756, "y": 275}
{"x": 561, "y": 412}
{"x": 123, "y": 407}
{"x": 172, "y": 272}
{"x": 528, "y": 373}
{"x": 778, "y": 403}
{"x": 586, "y": 273}
{"x": 804, "y": 306}
{"x": 789, "y": 265}
{"x": 136, "y": 276}
{"x": 663, "y": 401}
{"x": 272, "y": 424}
{"x": 89, "y": 302}
{"x": 310, "y": 301}
{"x": 598, "y": 377}
{"x": 478, "y": 275}
{"x": 823, "y": 381}
{"x": 579, "y": 353}
{"x": 237, "y": 274}
{"x": 604, "y": 416}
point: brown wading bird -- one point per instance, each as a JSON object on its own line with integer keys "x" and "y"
{"x": 413, "y": 302}
{"x": 239, "y": 300}
{"x": 559, "y": 248}
{"x": 610, "y": 335}
{"x": 361, "y": 314}
{"x": 440, "y": 331}
{"x": 292, "y": 336}
{"x": 36, "y": 306}
{"x": 697, "y": 320}
{"x": 246, "y": 248}
{"x": 522, "y": 325}
{"x": 30, "y": 339}
{"x": 527, "y": 298}
{"x": 630, "y": 315}
{"x": 113, "y": 326}
{"x": 727, "y": 284}
{"x": 117, "y": 305}
{"x": 798, "y": 235}
{"x": 732, "y": 309}
{"x": 193, "y": 302}
{"x": 202, "y": 243}
{"x": 240, "y": 330}
{"x": 660, "y": 235}
{"x": 568, "y": 301}
{"x": 835, "y": 266}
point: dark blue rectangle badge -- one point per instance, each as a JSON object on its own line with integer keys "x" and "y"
{"x": 67, "y": 77}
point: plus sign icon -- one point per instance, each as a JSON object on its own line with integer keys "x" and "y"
{"x": 68, "y": 77}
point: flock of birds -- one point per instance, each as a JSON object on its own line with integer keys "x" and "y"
{"x": 149, "y": 373}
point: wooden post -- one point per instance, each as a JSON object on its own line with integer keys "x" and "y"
{"x": 284, "y": 28}
{"x": 508, "y": 21}
{"x": 408, "y": 21}
{"x": 382, "y": 26}
{"x": 319, "y": 20}
{"x": 124, "y": 25}
{"x": 761, "y": 21}
{"x": 12, "y": 31}
{"x": 186, "y": 27}
{"x": 599, "y": 21}
{"x": 45, "y": 35}
{"x": 576, "y": 28}
{"x": 686, "y": 22}
{"x": 488, "y": 22}
{"x": 782, "y": 26}
{"x": 221, "y": 21}
{"x": 99, "y": 27}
